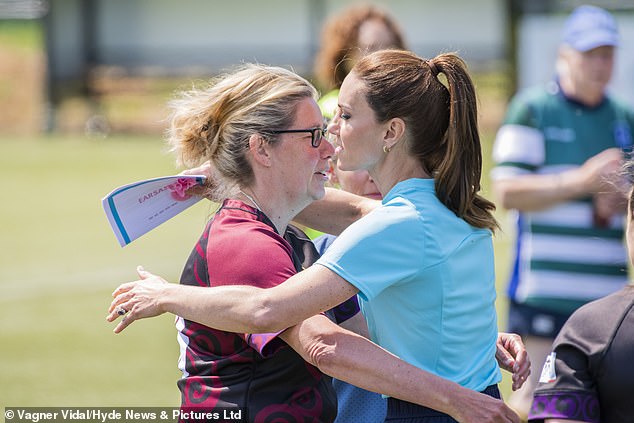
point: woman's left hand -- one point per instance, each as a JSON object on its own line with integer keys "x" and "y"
{"x": 512, "y": 356}
{"x": 137, "y": 300}
{"x": 211, "y": 175}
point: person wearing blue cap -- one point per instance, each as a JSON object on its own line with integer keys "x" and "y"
{"x": 558, "y": 154}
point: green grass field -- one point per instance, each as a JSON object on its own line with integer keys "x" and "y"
{"x": 61, "y": 261}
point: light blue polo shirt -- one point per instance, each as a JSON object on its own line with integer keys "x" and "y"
{"x": 427, "y": 284}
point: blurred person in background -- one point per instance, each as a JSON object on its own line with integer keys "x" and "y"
{"x": 422, "y": 260}
{"x": 263, "y": 132}
{"x": 345, "y": 37}
{"x": 557, "y": 154}
{"x": 589, "y": 376}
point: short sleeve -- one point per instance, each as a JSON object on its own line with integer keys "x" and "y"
{"x": 519, "y": 143}
{"x": 567, "y": 385}
{"x": 379, "y": 250}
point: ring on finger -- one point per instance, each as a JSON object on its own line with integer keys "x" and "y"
{"x": 121, "y": 311}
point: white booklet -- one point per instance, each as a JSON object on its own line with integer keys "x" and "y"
{"x": 137, "y": 208}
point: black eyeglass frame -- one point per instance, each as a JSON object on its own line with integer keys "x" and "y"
{"x": 317, "y": 134}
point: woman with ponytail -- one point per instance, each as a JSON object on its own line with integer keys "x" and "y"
{"x": 422, "y": 261}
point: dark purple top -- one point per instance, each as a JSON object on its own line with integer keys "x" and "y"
{"x": 593, "y": 378}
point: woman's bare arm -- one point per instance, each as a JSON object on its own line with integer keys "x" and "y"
{"x": 336, "y": 211}
{"x": 356, "y": 360}
{"x": 234, "y": 308}
{"x": 247, "y": 309}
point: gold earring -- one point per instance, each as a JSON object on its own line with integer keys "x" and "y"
{"x": 386, "y": 149}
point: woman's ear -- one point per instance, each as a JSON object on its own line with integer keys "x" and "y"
{"x": 260, "y": 150}
{"x": 395, "y": 130}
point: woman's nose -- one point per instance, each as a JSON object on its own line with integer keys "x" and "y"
{"x": 326, "y": 148}
{"x": 333, "y": 125}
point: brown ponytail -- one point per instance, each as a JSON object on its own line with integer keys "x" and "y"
{"x": 457, "y": 177}
{"x": 441, "y": 120}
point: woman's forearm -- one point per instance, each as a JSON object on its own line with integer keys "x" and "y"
{"x": 336, "y": 211}
{"x": 537, "y": 192}
{"x": 243, "y": 308}
{"x": 234, "y": 308}
{"x": 532, "y": 192}
{"x": 356, "y": 360}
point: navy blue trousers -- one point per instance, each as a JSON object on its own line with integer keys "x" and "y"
{"x": 399, "y": 411}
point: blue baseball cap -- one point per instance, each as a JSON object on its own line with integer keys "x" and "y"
{"x": 590, "y": 27}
